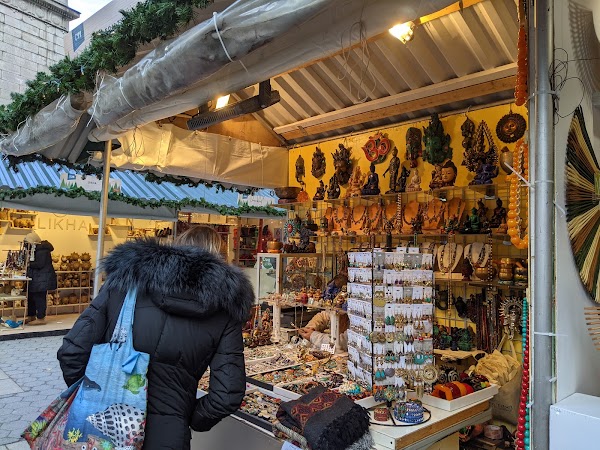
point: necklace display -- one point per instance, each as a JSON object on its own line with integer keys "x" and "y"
{"x": 343, "y": 222}
{"x": 514, "y": 222}
{"x": 482, "y": 257}
{"x": 361, "y": 220}
{"x": 447, "y": 249}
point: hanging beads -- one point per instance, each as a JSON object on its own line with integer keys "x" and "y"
{"x": 515, "y": 222}
{"x": 523, "y": 430}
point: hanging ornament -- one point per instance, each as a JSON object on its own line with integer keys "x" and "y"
{"x": 523, "y": 426}
{"x": 511, "y": 127}
{"x": 522, "y": 63}
{"x": 515, "y": 223}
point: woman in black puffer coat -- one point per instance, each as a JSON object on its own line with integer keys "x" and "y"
{"x": 43, "y": 278}
{"x": 189, "y": 314}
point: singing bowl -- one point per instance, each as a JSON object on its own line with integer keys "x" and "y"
{"x": 288, "y": 193}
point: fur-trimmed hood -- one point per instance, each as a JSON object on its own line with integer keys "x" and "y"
{"x": 184, "y": 280}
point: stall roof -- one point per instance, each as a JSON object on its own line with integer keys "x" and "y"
{"x": 36, "y": 174}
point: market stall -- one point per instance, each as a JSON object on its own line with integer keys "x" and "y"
{"x": 430, "y": 219}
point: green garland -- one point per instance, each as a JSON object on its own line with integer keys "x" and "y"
{"x": 142, "y": 203}
{"x": 88, "y": 169}
{"x": 108, "y": 51}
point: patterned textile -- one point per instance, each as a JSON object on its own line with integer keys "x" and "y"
{"x": 106, "y": 409}
{"x": 327, "y": 420}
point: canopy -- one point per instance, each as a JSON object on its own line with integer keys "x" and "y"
{"x": 36, "y": 186}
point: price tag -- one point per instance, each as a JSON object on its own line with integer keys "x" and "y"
{"x": 414, "y": 250}
{"x": 328, "y": 348}
{"x": 289, "y": 446}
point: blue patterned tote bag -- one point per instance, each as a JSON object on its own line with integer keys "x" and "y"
{"x": 109, "y": 410}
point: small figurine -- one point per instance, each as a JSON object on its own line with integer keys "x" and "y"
{"x": 472, "y": 225}
{"x": 300, "y": 171}
{"x": 324, "y": 226}
{"x": 393, "y": 170}
{"x": 401, "y": 185}
{"x": 355, "y": 183}
{"x": 482, "y": 211}
{"x": 266, "y": 320}
{"x": 413, "y": 146}
{"x": 485, "y": 174}
{"x": 333, "y": 191}
{"x": 415, "y": 181}
{"x": 416, "y": 224}
{"x": 342, "y": 164}
{"x": 372, "y": 186}
{"x": 319, "y": 164}
{"x": 320, "y": 195}
{"x": 499, "y": 215}
{"x": 466, "y": 270}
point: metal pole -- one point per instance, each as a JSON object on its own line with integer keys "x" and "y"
{"x": 543, "y": 267}
{"x": 103, "y": 208}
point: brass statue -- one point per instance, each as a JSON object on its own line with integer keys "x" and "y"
{"x": 355, "y": 183}
{"x": 443, "y": 175}
{"x": 318, "y": 163}
{"x": 415, "y": 181}
{"x": 393, "y": 170}
{"x": 499, "y": 215}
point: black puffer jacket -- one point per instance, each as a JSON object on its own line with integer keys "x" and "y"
{"x": 188, "y": 316}
{"x": 40, "y": 270}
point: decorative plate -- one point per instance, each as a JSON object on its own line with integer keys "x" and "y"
{"x": 511, "y": 127}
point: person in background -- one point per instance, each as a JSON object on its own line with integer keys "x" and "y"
{"x": 316, "y": 331}
{"x": 43, "y": 278}
{"x": 189, "y": 313}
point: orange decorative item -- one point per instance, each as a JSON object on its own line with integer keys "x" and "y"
{"x": 522, "y": 63}
{"x": 516, "y": 225}
{"x": 377, "y": 147}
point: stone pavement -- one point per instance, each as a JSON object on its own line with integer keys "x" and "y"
{"x": 30, "y": 378}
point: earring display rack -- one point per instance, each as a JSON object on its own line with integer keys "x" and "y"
{"x": 391, "y": 311}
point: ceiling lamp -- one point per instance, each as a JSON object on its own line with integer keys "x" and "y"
{"x": 404, "y": 31}
{"x": 222, "y": 101}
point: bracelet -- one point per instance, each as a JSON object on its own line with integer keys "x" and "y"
{"x": 411, "y": 412}
{"x": 461, "y": 388}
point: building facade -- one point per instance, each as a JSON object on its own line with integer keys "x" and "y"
{"x": 31, "y": 40}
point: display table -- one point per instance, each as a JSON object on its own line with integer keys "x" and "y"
{"x": 234, "y": 432}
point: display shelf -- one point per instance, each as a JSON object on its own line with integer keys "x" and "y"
{"x": 74, "y": 271}
{"x": 483, "y": 284}
{"x": 19, "y": 230}
{"x": 23, "y": 214}
{"x": 73, "y": 288}
{"x": 12, "y": 298}
{"x": 297, "y": 205}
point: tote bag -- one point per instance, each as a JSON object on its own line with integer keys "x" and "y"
{"x": 109, "y": 408}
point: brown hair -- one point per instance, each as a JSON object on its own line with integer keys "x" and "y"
{"x": 201, "y": 236}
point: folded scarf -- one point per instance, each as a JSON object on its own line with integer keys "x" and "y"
{"x": 327, "y": 420}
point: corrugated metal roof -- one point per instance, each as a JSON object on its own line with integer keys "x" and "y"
{"x": 477, "y": 39}
{"x": 133, "y": 184}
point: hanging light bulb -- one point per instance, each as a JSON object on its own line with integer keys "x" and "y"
{"x": 222, "y": 101}
{"x": 403, "y": 32}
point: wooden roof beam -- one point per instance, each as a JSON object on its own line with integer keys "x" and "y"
{"x": 456, "y": 90}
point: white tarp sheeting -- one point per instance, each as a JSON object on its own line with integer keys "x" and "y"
{"x": 195, "y": 154}
{"x": 51, "y": 125}
{"x": 320, "y": 36}
{"x": 198, "y": 53}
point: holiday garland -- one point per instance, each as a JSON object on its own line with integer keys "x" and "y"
{"x": 108, "y": 51}
{"x": 76, "y": 192}
{"x": 89, "y": 169}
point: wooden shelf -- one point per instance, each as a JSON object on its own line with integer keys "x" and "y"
{"x": 23, "y": 214}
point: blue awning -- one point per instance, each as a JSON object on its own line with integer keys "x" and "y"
{"x": 36, "y": 174}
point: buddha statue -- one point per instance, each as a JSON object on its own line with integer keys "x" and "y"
{"x": 372, "y": 186}
{"x": 473, "y": 224}
{"x": 333, "y": 191}
{"x": 415, "y": 181}
{"x": 393, "y": 170}
{"x": 499, "y": 215}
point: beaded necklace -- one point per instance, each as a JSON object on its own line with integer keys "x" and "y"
{"x": 443, "y": 267}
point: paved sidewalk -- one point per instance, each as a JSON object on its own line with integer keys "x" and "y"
{"x": 30, "y": 378}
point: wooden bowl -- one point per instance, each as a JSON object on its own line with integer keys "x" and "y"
{"x": 288, "y": 193}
